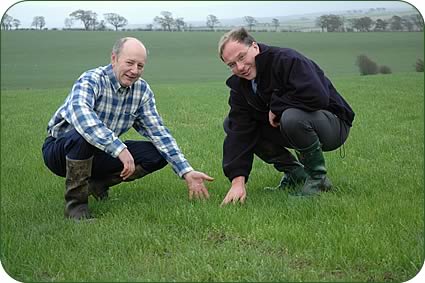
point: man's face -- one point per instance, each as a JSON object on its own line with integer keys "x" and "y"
{"x": 129, "y": 64}
{"x": 240, "y": 59}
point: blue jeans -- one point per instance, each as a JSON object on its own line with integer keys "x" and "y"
{"x": 74, "y": 146}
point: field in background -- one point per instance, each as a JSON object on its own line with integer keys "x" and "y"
{"x": 56, "y": 59}
{"x": 370, "y": 228}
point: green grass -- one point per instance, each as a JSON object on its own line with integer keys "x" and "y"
{"x": 370, "y": 228}
{"x": 55, "y": 59}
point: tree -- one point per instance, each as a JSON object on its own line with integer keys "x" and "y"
{"x": 417, "y": 21}
{"x": 366, "y": 23}
{"x": 212, "y": 21}
{"x": 275, "y": 23}
{"x": 331, "y": 22}
{"x": 116, "y": 20}
{"x": 101, "y": 26}
{"x": 322, "y": 22}
{"x": 38, "y": 22}
{"x": 362, "y": 24}
{"x": 250, "y": 22}
{"x": 334, "y": 23}
{"x": 407, "y": 24}
{"x": 68, "y": 23}
{"x": 179, "y": 23}
{"x": 6, "y": 22}
{"x": 16, "y": 23}
{"x": 395, "y": 23}
{"x": 166, "y": 21}
{"x": 88, "y": 18}
{"x": 380, "y": 25}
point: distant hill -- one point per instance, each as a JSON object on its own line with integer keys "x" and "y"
{"x": 299, "y": 22}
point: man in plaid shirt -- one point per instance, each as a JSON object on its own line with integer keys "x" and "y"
{"x": 83, "y": 143}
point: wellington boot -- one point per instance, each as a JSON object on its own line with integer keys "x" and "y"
{"x": 76, "y": 188}
{"x": 314, "y": 164}
{"x": 293, "y": 178}
{"x": 99, "y": 188}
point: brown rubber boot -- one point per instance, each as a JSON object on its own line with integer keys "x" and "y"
{"x": 77, "y": 188}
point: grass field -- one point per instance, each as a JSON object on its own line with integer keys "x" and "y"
{"x": 55, "y": 59}
{"x": 370, "y": 228}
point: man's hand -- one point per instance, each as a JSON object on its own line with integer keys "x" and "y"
{"x": 272, "y": 120}
{"x": 195, "y": 184}
{"x": 237, "y": 192}
{"x": 128, "y": 163}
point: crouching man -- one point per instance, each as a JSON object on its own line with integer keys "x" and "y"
{"x": 83, "y": 143}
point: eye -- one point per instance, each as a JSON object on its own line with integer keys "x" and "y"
{"x": 231, "y": 65}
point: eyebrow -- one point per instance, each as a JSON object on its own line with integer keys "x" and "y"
{"x": 236, "y": 59}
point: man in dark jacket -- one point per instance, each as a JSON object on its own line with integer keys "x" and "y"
{"x": 279, "y": 100}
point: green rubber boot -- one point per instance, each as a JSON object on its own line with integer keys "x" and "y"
{"x": 293, "y": 178}
{"x": 314, "y": 164}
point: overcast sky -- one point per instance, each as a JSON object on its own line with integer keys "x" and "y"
{"x": 143, "y": 12}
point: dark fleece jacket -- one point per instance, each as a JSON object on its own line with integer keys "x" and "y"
{"x": 285, "y": 79}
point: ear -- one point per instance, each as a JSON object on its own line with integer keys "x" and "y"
{"x": 256, "y": 47}
{"x": 113, "y": 58}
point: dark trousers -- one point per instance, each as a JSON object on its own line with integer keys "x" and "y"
{"x": 74, "y": 146}
{"x": 299, "y": 130}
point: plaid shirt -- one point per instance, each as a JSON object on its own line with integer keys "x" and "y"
{"x": 101, "y": 110}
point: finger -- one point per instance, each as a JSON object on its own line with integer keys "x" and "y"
{"x": 196, "y": 194}
{"x": 225, "y": 201}
{"x": 206, "y": 177}
{"x": 190, "y": 195}
{"x": 124, "y": 171}
{"x": 205, "y": 193}
{"x": 243, "y": 198}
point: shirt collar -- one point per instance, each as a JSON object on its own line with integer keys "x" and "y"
{"x": 113, "y": 79}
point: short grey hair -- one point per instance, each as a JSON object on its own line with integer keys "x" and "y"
{"x": 239, "y": 35}
{"x": 116, "y": 49}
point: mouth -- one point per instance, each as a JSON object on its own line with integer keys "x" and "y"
{"x": 246, "y": 73}
{"x": 131, "y": 77}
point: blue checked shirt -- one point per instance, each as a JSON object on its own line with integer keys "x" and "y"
{"x": 101, "y": 110}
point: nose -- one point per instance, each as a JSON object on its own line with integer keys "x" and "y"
{"x": 134, "y": 69}
{"x": 239, "y": 66}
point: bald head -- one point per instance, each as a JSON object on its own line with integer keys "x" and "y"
{"x": 125, "y": 42}
{"x": 128, "y": 60}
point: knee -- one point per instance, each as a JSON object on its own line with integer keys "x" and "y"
{"x": 158, "y": 163}
{"x": 76, "y": 147}
{"x": 147, "y": 155}
{"x": 291, "y": 122}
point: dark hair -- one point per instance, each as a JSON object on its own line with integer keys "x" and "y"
{"x": 239, "y": 35}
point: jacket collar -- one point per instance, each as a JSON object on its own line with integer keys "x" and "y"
{"x": 261, "y": 58}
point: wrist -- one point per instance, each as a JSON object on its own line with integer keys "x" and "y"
{"x": 185, "y": 175}
{"x": 240, "y": 180}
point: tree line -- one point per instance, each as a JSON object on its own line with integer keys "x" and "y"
{"x": 334, "y": 23}
{"x": 166, "y": 22}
